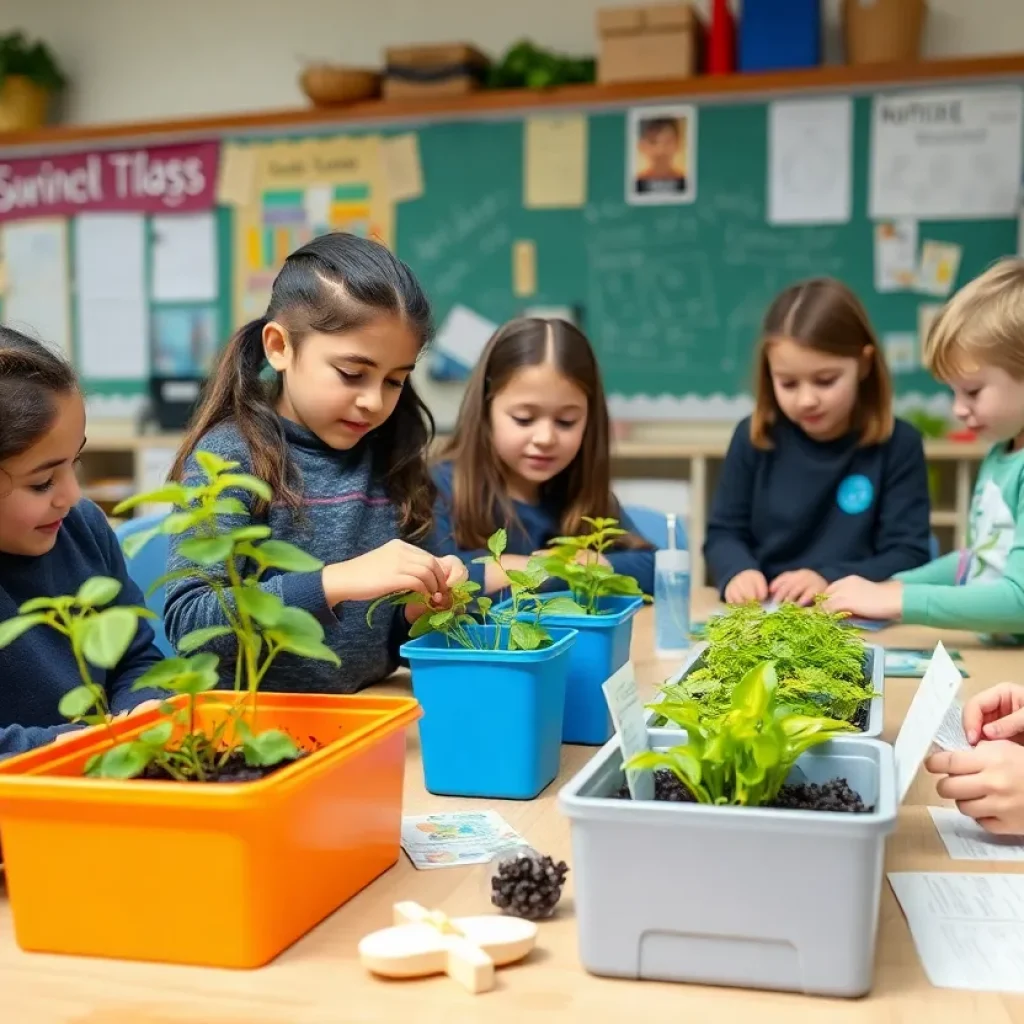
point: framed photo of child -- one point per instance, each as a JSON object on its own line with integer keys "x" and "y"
{"x": 661, "y": 151}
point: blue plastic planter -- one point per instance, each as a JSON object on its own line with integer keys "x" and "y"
{"x": 601, "y": 649}
{"x": 492, "y": 720}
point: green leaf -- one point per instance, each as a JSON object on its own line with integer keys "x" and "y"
{"x": 36, "y": 604}
{"x": 200, "y": 637}
{"x": 562, "y": 606}
{"x": 98, "y": 591}
{"x": 179, "y": 522}
{"x": 526, "y": 636}
{"x": 264, "y": 607}
{"x": 249, "y": 533}
{"x": 497, "y": 542}
{"x": 420, "y": 627}
{"x": 206, "y": 550}
{"x": 295, "y": 622}
{"x": 679, "y": 761}
{"x": 135, "y": 542}
{"x": 306, "y": 647}
{"x": 279, "y": 554}
{"x": 441, "y": 619}
{"x": 107, "y": 635}
{"x": 170, "y": 493}
{"x": 171, "y": 577}
{"x": 230, "y": 507}
{"x": 125, "y": 761}
{"x": 158, "y": 735}
{"x": 269, "y": 748}
{"x": 77, "y": 702}
{"x": 213, "y": 465}
{"x": 11, "y": 629}
{"x": 245, "y": 482}
{"x": 484, "y": 604}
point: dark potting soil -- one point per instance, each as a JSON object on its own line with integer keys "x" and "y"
{"x": 234, "y": 770}
{"x": 834, "y": 795}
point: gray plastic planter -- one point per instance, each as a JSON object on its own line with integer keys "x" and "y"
{"x": 742, "y": 896}
{"x": 874, "y": 669}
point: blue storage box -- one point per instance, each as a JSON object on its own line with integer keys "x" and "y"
{"x": 492, "y": 720}
{"x": 779, "y": 34}
{"x": 601, "y": 649}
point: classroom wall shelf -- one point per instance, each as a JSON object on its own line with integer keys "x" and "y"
{"x": 707, "y": 88}
{"x": 675, "y": 452}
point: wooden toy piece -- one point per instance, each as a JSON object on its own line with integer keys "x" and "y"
{"x": 423, "y": 942}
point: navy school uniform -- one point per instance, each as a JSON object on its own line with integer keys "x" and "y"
{"x": 830, "y": 506}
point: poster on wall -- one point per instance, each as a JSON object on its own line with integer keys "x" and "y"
{"x": 661, "y": 155}
{"x": 302, "y": 190}
{"x": 946, "y": 155}
{"x": 146, "y": 179}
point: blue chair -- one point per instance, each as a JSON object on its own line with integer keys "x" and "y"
{"x": 146, "y": 568}
{"x": 933, "y": 547}
{"x": 653, "y": 526}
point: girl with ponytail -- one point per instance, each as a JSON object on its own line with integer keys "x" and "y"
{"x": 341, "y": 437}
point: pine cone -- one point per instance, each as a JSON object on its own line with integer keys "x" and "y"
{"x": 528, "y": 885}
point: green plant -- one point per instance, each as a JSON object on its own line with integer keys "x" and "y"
{"x": 744, "y": 756}
{"x": 819, "y": 661}
{"x": 575, "y": 560}
{"x": 526, "y": 65}
{"x": 458, "y": 623}
{"x": 34, "y": 61}
{"x": 262, "y": 625}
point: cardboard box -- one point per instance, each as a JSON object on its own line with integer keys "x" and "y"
{"x": 447, "y": 69}
{"x": 883, "y": 31}
{"x": 658, "y": 41}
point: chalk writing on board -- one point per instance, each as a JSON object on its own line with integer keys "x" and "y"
{"x": 461, "y": 226}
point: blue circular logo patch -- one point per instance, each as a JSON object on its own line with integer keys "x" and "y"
{"x": 855, "y": 494}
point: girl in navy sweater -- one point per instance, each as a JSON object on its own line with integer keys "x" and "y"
{"x": 530, "y": 452}
{"x": 822, "y": 481}
{"x": 51, "y": 541}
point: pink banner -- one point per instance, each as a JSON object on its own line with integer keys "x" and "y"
{"x": 148, "y": 179}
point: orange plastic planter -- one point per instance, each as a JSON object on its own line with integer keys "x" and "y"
{"x": 218, "y": 874}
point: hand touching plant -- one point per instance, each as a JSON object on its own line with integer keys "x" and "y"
{"x": 745, "y": 756}
{"x": 580, "y": 561}
{"x": 458, "y": 622}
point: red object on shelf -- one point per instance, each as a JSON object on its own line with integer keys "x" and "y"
{"x": 962, "y": 435}
{"x": 722, "y": 40}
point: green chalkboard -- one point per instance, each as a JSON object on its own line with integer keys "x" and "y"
{"x": 671, "y": 296}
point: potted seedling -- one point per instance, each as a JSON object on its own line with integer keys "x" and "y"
{"x": 824, "y": 667}
{"x": 607, "y": 603}
{"x": 769, "y": 827}
{"x": 29, "y": 77}
{"x": 491, "y": 683}
{"x": 272, "y": 808}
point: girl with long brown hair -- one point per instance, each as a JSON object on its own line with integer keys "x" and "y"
{"x": 822, "y": 481}
{"x": 530, "y": 453}
{"x": 341, "y": 437}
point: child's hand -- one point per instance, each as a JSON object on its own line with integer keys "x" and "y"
{"x": 995, "y": 714}
{"x": 800, "y": 586}
{"x": 749, "y": 585}
{"x": 865, "y": 599}
{"x": 456, "y": 573}
{"x": 987, "y": 784}
{"x": 392, "y": 568}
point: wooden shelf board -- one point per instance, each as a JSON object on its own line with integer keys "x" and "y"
{"x": 832, "y": 77}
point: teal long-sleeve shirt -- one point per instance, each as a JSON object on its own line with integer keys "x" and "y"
{"x": 981, "y": 588}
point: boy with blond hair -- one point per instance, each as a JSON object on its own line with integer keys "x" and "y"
{"x": 976, "y": 346}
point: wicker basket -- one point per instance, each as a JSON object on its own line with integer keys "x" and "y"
{"x": 332, "y": 85}
{"x": 23, "y": 104}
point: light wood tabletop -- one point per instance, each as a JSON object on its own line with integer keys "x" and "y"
{"x": 320, "y": 981}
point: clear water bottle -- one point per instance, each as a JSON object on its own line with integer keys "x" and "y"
{"x": 671, "y": 597}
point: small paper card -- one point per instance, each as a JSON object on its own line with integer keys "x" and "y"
{"x": 628, "y": 715}
{"x": 937, "y": 690}
{"x": 912, "y": 662}
{"x": 965, "y": 839}
{"x": 457, "y": 838}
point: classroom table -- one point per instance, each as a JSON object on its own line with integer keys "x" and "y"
{"x": 320, "y": 981}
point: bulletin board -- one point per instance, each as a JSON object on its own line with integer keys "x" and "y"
{"x": 671, "y": 295}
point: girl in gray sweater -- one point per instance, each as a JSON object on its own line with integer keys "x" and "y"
{"x": 341, "y": 437}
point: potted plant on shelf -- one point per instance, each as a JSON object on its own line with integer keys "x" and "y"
{"x": 213, "y": 789}
{"x": 29, "y": 77}
{"x": 608, "y": 603}
{"x": 475, "y": 655}
{"x": 757, "y": 810}
{"x": 824, "y": 667}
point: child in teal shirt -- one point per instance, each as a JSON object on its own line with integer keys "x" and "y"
{"x": 976, "y": 346}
